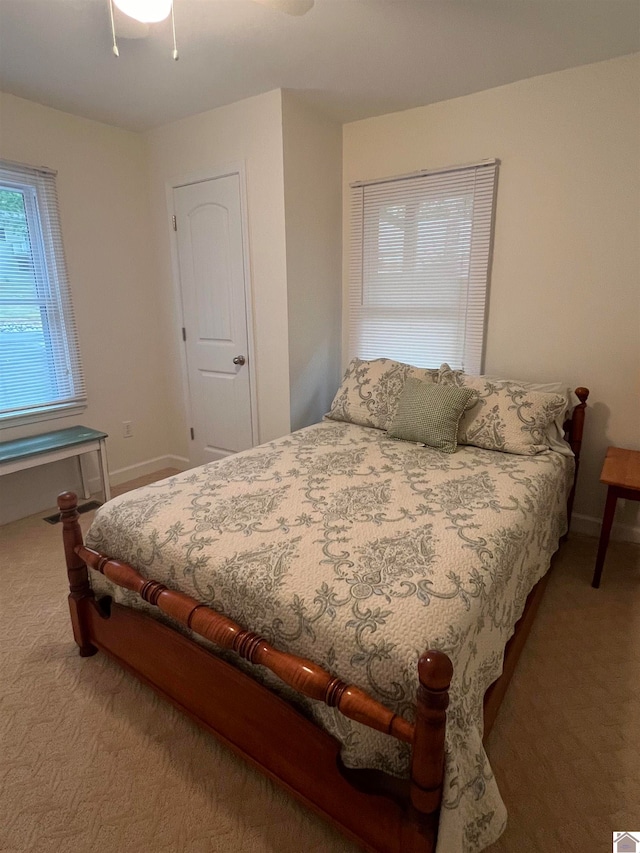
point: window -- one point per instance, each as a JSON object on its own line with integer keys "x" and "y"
{"x": 40, "y": 369}
{"x": 419, "y": 266}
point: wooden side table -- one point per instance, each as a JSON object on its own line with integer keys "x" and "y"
{"x": 621, "y": 473}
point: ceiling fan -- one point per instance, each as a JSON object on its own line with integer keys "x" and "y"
{"x": 130, "y": 19}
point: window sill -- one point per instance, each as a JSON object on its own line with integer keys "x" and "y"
{"x": 12, "y": 421}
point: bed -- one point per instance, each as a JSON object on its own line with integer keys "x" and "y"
{"x": 317, "y": 602}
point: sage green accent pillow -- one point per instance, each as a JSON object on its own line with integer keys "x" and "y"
{"x": 430, "y": 414}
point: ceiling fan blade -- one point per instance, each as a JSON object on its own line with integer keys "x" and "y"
{"x": 289, "y": 7}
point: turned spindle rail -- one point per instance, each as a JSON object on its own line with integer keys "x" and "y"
{"x": 301, "y": 674}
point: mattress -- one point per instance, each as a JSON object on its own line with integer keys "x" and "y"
{"x": 359, "y": 552}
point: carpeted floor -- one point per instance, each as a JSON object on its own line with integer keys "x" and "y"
{"x": 91, "y": 761}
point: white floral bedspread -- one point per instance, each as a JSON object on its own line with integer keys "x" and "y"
{"x": 359, "y": 552}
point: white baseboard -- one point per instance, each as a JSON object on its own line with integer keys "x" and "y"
{"x": 140, "y": 469}
{"x": 590, "y": 526}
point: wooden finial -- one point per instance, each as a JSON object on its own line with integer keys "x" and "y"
{"x": 435, "y": 670}
{"x": 67, "y": 501}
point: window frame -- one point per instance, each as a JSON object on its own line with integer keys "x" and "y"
{"x": 416, "y": 274}
{"x": 53, "y": 298}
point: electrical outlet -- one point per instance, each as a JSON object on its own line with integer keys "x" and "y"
{"x": 127, "y": 429}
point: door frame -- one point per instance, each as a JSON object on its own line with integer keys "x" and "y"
{"x": 237, "y": 168}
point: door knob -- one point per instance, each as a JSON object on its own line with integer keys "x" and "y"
{"x": 239, "y": 359}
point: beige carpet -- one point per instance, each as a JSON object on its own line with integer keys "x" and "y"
{"x": 92, "y": 761}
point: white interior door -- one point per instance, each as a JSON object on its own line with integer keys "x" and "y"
{"x": 212, "y": 282}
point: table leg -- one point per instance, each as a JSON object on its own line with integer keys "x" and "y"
{"x": 607, "y": 521}
{"x": 102, "y": 455}
{"x": 83, "y": 477}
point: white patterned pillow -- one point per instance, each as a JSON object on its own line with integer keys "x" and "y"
{"x": 429, "y": 414}
{"x": 370, "y": 391}
{"x": 554, "y": 436}
{"x": 508, "y": 416}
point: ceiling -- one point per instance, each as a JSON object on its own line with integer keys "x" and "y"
{"x": 350, "y": 58}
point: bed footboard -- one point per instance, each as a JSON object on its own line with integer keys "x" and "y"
{"x": 383, "y": 814}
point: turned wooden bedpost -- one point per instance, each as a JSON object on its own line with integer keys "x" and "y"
{"x": 575, "y": 440}
{"x": 79, "y": 589}
{"x": 435, "y": 671}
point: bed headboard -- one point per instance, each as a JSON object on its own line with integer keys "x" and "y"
{"x": 573, "y": 429}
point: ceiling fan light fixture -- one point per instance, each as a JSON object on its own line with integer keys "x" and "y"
{"x": 145, "y": 11}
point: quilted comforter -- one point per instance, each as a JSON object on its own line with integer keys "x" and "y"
{"x": 342, "y": 545}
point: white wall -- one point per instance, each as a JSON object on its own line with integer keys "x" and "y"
{"x": 312, "y": 146}
{"x": 249, "y": 131}
{"x": 565, "y": 288}
{"x": 104, "y": 209}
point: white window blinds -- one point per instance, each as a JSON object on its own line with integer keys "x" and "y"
{"x": 40, "y": 369}
{"x": 419, "y": 267}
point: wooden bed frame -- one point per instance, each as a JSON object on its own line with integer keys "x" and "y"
{"x": 379, "y": 812}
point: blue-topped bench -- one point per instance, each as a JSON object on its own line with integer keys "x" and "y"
{"x": 22, "y": 453}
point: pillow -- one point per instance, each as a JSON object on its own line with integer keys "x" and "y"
{"x": 430, "y": 414}
{"x": 370, "y": 391}
{"x": 555, "y": 431}
{"x": 509, "y": 416}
